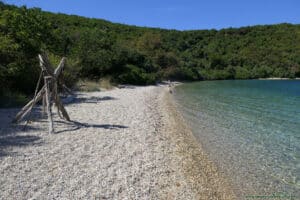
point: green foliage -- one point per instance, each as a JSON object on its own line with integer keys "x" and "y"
{"x": 136, "y": 75}
{"x": 21, "y": 32}
{"x": 181, "y": 73}
{"x": 136, "y": 55}
{"x": 12, "y": 99}
{"x": 242, "y": 73}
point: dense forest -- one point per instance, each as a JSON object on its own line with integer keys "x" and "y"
{"x": 137, "y": 55}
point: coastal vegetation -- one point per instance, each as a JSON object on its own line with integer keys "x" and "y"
{"x": 126, "y": 54}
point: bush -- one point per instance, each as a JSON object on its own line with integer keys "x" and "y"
{"x": 181, "y": 74}
{"x": 137, "y": 76}
{"x": 12, "y": 99}
{"x": 216, "y": 74}
{"x": 242, "y": 73}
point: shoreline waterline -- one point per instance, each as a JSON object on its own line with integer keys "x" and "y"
{"x": 200, "y": 171}
{"x": 249, "y": 130}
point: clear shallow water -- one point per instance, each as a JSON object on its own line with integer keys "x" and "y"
{"x": 250, "y": 129}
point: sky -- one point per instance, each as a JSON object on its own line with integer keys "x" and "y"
{"x": 177, "y": 14}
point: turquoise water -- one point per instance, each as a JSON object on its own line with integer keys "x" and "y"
{"x": 250, "y": 129}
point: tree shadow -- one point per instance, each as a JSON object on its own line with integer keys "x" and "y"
{"x": 14, "y": 129}
{"x": 16, "y": 135}
{"x": 10, "y": 138}
{"x": 93, "y": 99}
{"x": 74, "y": 125}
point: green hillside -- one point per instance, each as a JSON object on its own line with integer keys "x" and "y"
{"x": 137, "y": 55}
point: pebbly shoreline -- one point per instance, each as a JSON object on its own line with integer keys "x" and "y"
{"x": 128, "y": 143}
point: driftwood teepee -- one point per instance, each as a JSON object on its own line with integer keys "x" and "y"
{"x": 48, "y": 93}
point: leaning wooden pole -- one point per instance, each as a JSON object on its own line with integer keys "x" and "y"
{"x": 26, "y": 109}
{"x": 48, "y": 93}
{"x": 48, "y": 102}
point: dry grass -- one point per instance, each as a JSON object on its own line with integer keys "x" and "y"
{"x": 93, "y": 86}
{"x": 106, "y": 84}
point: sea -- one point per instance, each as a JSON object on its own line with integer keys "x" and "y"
{"x": 250, "y": 129}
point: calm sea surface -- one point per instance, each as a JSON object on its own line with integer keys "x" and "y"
{"x": 250, "y": 129}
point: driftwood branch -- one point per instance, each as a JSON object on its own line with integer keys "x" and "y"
{"x": 62, "y": 109}
{"x": 25, "y": 110}
{"x": 68, "y": 90}
{"x": 48, "y": 103}
{"x": 45, "y": 63}
{"x": 49, "y": 92}
{"x": 60, "y": 68}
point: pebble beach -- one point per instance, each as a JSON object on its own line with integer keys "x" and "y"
{"x": 128, "y": 143}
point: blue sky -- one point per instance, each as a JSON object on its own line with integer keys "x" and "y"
{"x": 177, "y": 14}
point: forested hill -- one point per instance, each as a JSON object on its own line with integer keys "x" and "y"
{"x": 138, "y": 55}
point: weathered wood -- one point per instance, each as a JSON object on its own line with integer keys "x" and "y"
{"x": 60, "y": 67}
{"x": 52, "y": 80}
{"x": 67, "y": 89}
{"x": 25, "y": 110}
{"x": 44, "y": 106}
{"x": 35, "y": 94}
{"x": 46, "y": 65}
{"x": 62, "y": 109}
{"x": 48, "y": 102}
{"x": 54, "y": 97}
